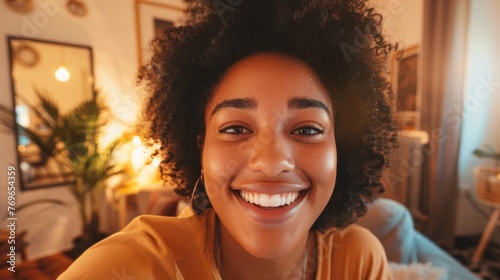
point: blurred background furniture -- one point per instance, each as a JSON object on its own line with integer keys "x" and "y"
{"x": 156, "y": 199}
{"x": 393, "y": 225}
{"x": 46, "y": 268}
{"x": 488, "y": 193}
{"x": 403, "y": 178}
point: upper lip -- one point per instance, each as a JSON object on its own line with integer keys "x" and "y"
{"x": 271, "y": 188}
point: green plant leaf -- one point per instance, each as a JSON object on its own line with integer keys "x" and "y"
{"x": 487, "y": 151}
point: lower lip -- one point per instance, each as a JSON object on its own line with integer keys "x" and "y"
{"x": 273, "y": 216}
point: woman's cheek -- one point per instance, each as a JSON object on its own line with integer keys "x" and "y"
{"x": 220, "y": 164}
{"x": 321, "y": 167}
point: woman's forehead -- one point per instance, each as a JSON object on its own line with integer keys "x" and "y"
{"x": 269, "y": 77}
{"x": 256, "y": 63}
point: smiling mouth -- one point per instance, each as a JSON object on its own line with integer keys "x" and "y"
{"x": 269, "y": 201}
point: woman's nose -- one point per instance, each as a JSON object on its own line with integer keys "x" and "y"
{"x": 271, "y": 154}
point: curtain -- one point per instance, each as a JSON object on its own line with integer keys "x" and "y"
{"x": 443, "y": 63}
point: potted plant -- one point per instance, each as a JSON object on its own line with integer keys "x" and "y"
{"x": 74, "y": 144}
{"x": 488, "y": 151}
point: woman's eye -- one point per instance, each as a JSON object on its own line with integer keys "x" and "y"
{"x": 235, "y": 129}
{"x": 307, "y": 131}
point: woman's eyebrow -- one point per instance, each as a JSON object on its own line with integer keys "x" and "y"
{"x": 251, "y": 103}
{"x": 239, "y": 103}
{"x": 304, "y": 103}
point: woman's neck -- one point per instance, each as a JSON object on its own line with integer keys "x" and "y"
{"x": 236, "y": 263}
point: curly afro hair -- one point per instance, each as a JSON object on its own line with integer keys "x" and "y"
{"x": 340, "y": 39}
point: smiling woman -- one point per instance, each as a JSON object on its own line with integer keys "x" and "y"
{"x": 277, "y": 132}
{"x": 272, "y": 156}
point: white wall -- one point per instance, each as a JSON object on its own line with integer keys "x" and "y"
{"x": 481, "y": 101}
{"x": 402, "y": 20}
{"x": 109, "y": 28}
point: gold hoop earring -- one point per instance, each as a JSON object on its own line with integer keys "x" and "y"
{"x": 200, "y": 179}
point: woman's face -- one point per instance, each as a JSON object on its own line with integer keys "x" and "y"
{"x": 269, "y": 154}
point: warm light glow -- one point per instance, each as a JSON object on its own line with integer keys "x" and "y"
{"x": 138, "y": 158}
{"x": 156, "y": 162}
{"x": 62, "y": 73}
{"x": 144, "y": 167}
{"x": 136, "y": 140}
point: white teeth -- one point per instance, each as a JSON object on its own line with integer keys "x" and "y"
{"x": 265, "y": 200}
{"x": 275, "y": 200}
{"x": 256, "y": 199}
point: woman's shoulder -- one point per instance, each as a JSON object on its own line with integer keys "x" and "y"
{"x": 349, "y": 238}
{"x": 352, "y": 250}
{"x": 167, "y": 227}
{"x": 173, "y": 234}
{"x": 154, "y": 246}
{"x": 352, "y": 231}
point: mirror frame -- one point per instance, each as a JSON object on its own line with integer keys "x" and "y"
{"x": 14, "y": 102}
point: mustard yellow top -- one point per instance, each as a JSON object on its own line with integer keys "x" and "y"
{"x": 158, "y": 247}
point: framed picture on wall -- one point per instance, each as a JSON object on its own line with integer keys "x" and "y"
{"x": 406, "y": 83}
{"x": 152, "y": 18}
